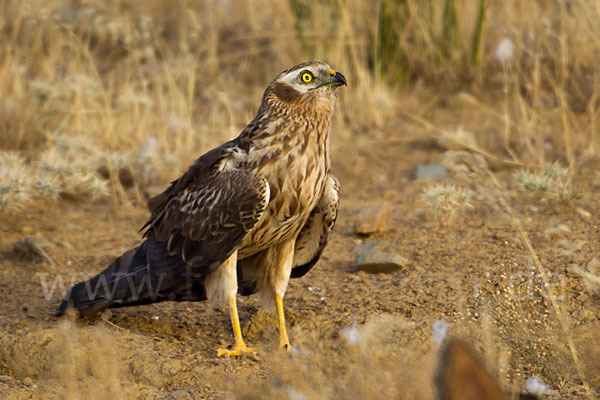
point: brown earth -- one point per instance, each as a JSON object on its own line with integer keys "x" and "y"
{"x": 470, "y": 268}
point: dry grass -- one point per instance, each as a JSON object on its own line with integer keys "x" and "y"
{"x": 106, "y": 98}
{"x": 176, "y": 79}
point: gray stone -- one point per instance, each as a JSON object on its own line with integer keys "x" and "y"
{"x": 68, "y": 14}
{"x": 565, "y": 244}
{"x": 430, "y": 172}
{"x": 373, "y": 261}
{"x": 177, "y": 395}
{"x": 5, "y": 378}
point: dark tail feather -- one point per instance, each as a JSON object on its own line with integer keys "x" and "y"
{"x": 143, "y": 275}
{"x": 108, "y": 286}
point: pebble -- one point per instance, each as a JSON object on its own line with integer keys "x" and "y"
{"x": 559, "y": 230}
{"x": 373, "y": 219}
{"x": 593, "y": 266}
{"x": 35, "y": 244}
{"x": 463, "y": 163}
{"x": 371, "y": 260}
{"x": 5, "y": 378}
{"x": 430, "y": 172}
{"x": 565, "y": 244}
{"x": 585, "y": 214}
{"x": 178, "y": 394}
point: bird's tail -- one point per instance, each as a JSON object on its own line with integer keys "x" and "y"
{"x": 142, "y": 275}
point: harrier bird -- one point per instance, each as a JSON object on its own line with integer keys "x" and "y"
{"x": 244, "y": 218}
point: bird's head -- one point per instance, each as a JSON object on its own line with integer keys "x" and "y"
{"x": 311, "y": 82}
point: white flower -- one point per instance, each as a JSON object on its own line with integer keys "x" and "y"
{"x": 536, "y": 385}
{"x": 440, "y": 328}
{"x": 505, "y": 51}
{"x": 352, "y": 334}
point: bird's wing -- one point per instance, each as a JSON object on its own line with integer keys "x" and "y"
{"x": 316, "y": 231}
{"x": 204, "y": 216}
{"x": 196, "y": 224}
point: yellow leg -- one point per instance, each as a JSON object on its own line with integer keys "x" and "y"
{"x": 284, "y": 342}
{"x": 239, "y": 348}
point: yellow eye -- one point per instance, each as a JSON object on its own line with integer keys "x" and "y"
{"x": 307, "y": 77}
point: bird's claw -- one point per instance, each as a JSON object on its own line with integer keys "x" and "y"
{"x": 238, "y": 350}
{"x": 288, "y": 348}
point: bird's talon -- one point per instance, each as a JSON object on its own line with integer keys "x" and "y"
{"x": 286, "y": 347}
{"x": 238, "y": 351}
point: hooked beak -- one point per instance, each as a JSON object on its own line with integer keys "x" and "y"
{"x": 338, "y": 80}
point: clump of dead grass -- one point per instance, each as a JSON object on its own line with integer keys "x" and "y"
{"x": 447, "y": 200}
{"x": 123, "y": 73}
{"x": 68, "y": 362}
{"x": 373, "y": 366}
{"x": 15, "y": 183}
{"x": 590, "y": 275}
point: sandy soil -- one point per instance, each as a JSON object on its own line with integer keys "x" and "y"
{"x": 471, "y": 270}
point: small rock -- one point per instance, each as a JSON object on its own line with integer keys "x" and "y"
{"x": 593, "y": 266}
{"x": 463, "y": 163}
{"x": 559, "y": 230}
{"x": 20, "y": 247}
{"x": 294, "y": 394}
{"x": 373, "y": 261}
{"x": 107, "y": 315}
{"x": 68, "y": 14}
{"x": 35, "y": 244}
{"x": 373, "y": 219}
{"x": 5, "y": 378}
{"x": 565, "y": 244}
{"x": 171, "y": 369}
{"x": 430, "y": 172}
{"x": 38, "y": 241}
{"x": 178, "y": 394}
{"x": 28, "y": 381}
{"x": 590, "y": 275}
{"x": 583, "y": 298}
{"x": 586, "y": 315}
{"x": 585, "y": 214}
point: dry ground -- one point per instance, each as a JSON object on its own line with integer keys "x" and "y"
{"x": 470, "y": 269}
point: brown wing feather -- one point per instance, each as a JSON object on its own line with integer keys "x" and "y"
{"x": 313, "y": 237}
{"x": 205, "y": 215}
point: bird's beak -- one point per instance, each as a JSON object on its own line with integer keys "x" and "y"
{"x": 338, "y": 80}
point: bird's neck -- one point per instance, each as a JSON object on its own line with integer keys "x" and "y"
{"x": 293, "y": 133}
